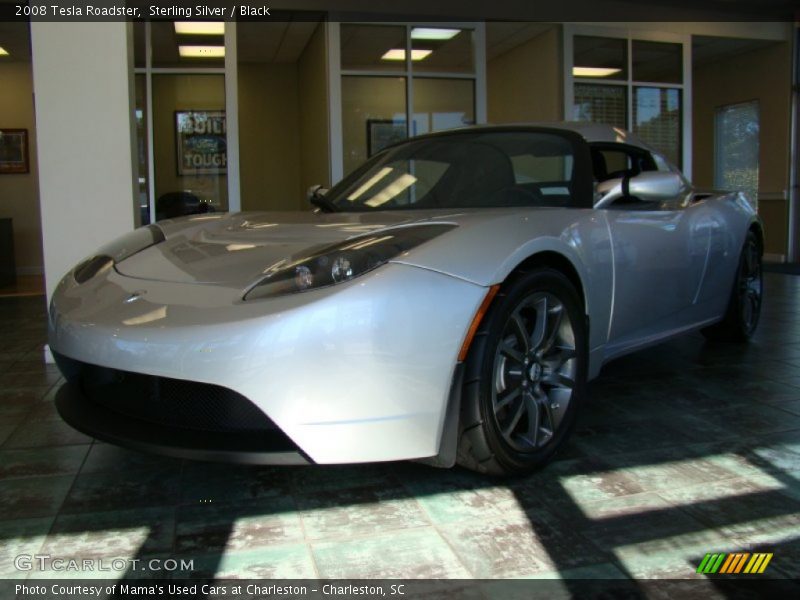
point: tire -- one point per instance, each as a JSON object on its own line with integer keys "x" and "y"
{"x": 525, "y": 376}
{"x": 744, "y": 306}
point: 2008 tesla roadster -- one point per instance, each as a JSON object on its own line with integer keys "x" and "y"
{"x": 447, "y": 301}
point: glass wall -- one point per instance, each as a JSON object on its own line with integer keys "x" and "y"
{"x": 142, "y": 150}
{"x": 736, "y": 129}
{"x": 373, "y": 116}
{"x": 189, "y": 143}
{"x": 400, "y": 81}
{"x": 657, "y": 119}
{"x": 633, "y": 84}
{"x": 180, "y": 117}
{"x": 601, "y": 104}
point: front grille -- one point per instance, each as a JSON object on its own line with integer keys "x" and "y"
{"x": 169, "y": 402}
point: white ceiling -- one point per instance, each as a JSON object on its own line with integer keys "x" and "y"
{"x": 708, "y": 49}
{"x": 273, "y": 42}
{"x": 15, "y": 39}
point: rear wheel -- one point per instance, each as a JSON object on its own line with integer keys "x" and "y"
{"x": 525, "y": 375}
{"x": 744, "y": 306}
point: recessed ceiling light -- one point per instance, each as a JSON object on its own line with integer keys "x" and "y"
{"x": 400, "y": 54}
{"x": 594, "y": 71}
{"x": 433, "y": 33}
{"x": 200, "y": 27}
{"x": 3, "y": 51}
{"x": 201, "y": 51}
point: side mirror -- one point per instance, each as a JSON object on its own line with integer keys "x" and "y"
{"x": 316, "y": 191}
{"x": 650, "y": 186}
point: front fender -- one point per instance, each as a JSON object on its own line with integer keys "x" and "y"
{"x": 486, "y": 251}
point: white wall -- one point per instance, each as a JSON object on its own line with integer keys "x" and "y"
{"x": 84, "y": 125}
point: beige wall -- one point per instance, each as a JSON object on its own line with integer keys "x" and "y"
{"x": 184, "y": 92}
{"x": 283, "y": 133}
{"x": 762, "y": 75}
{"x": 313, "y": 90}
{"x": 19, "y": 193}
{"x": 526, "y": 83}
{"x": 269, "y": 144}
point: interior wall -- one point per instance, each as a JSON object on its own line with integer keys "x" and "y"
{"x": 269, "y": 144}
{"x": 19, "y": 192}
{"x": 283, "y": 140}
{"x": 763, "y": 75}
{"x": 526, "y": 83}
{"x": 84, "y": 133}
{"x": 313, "y": 91}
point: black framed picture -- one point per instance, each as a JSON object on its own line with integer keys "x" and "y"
{"x": 384, "y": 132}
{"x": 14, "y": 151}
{"x": 201, "y": 142}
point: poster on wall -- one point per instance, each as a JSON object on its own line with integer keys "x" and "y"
{"x": 384, "y": 132}
{"x": 201, "y": 141}
{"x": 14, "y": 151}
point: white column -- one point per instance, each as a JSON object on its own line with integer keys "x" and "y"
{"x": 83, "y": 87}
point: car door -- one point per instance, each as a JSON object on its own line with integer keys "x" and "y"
{"x": 659, "y": 253}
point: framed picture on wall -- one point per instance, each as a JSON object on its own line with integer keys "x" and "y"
{"x": 14, "y": 151}
{"x": 384, "y": 132}
{"x": 201, "y": 142}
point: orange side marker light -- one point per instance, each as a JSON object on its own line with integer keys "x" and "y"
{"x": 476, "y": 321}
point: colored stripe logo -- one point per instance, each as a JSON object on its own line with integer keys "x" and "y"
{"x": 734, "y": 563}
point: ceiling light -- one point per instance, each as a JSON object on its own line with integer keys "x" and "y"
{"x": 200, "y": 27}
{"x": 594, "y": 71}
{"x": 433, "y": 33}
{"x": 3, "y": 51}
{"x": 201, "y": 51}
{"x": 400, "y": 54}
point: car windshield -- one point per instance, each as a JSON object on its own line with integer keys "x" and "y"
{"x": 463, "y": 170}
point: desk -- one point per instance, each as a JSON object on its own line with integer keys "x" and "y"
{"x": 8, "y": 269}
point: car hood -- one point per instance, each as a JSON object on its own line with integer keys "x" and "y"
{"x": 236, "y": 249}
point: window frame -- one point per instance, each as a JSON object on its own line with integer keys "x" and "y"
{"x": 630, "y": 34}
{"x": 336, "y": 73}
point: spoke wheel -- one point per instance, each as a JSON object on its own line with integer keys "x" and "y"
{"x": 534, "y": 372}
{"x": 525, "y": 375}
{"x": 744, "y": 306}
{"x": 750, "y": 286}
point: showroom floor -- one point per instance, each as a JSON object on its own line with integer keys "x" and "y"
{"x": 684, "y": 449}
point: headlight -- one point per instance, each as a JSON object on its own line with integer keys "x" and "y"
{"x": 117, "y": 251}
{"x": 342, "y": 262}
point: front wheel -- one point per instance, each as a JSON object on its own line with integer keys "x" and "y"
{"x": 525, "y": 375}
{"x": 744, "y": 306}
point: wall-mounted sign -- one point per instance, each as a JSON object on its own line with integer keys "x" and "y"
{"x": 14, "y": 151}
{"x": 201, "y": 142}
{"x": 384, "y": 132}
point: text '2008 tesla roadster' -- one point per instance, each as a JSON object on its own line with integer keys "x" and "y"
{"x": 447, "y": 301}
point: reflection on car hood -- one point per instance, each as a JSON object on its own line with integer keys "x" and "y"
{"x": 235, "y": 249}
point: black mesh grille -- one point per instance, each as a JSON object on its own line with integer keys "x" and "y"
{"x": 171, "y": 402}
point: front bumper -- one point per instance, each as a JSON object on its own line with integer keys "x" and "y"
{"x": 107, "y": 426}
{"x": 358, "y": 372}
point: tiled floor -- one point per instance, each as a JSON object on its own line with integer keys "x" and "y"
{"x": 684, "y": 449}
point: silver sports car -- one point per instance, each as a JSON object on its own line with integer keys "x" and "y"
{"x": 447, "y": 301}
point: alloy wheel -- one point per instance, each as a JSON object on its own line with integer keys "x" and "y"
{"x": 750, "y": 286}
{"x": 534, "y": 372}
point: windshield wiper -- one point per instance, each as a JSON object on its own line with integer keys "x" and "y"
{"x": 322, "y": 202}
